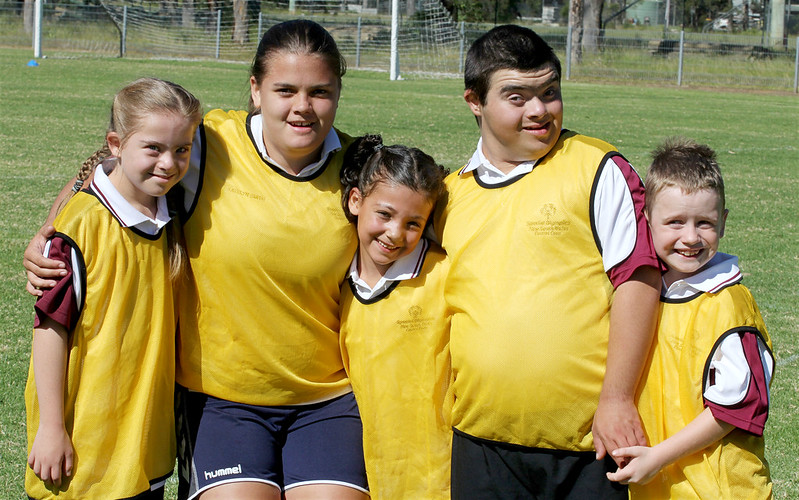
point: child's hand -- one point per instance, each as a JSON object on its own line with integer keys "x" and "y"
{"x": 642, "y": 464}
{"x": 51, "y": 455}
{"x": 41, "y": 271}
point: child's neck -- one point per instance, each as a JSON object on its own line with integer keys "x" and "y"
{"x": 142, "y": 202}
{"x": 369, "y": 272}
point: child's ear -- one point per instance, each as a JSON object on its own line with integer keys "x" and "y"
{"x": 114, "y": 144}
{"x": 723, "y": 222}
{"x": 354, "y": 201}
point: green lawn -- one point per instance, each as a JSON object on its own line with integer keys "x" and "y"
{"x": 53, "y": 116}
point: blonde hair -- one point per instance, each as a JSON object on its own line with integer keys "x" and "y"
{"x": 686, "y": 164}
{"x": 132, "y": 104}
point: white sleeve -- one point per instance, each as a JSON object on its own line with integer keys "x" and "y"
{"x": 191, "y": 181}
{"x": 732, "y": 373}
{"x": 614, "y": 215}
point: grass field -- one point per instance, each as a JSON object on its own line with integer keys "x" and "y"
{"x": 55, "y": 115}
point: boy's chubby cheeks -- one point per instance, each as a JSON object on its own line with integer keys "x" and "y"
{"x": 686, "y": 228}
{"x": 521, "y": 117}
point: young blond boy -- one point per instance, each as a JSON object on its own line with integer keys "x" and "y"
{"x": 552, "y": 288}
{"x": 705, "y": 395}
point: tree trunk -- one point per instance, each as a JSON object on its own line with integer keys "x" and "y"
{"x": 241, "y": 34}
{"x": 592, "y": 24}
{"x": 576, "y": 24}
{"x": 27, "y": 16}
{"x": 187, "y": 14}
{"x": 410, "y": 8}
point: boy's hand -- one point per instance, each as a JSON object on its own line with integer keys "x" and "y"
{"x": 51, "y": 455}
{"x": 616, "y": 425}
{"x": 642, "y": 465}
{"x": 42, "y": 272}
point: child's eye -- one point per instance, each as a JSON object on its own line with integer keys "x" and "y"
{"x": 153, "y": 147}
{"x": 183, "y": 150}
{"x": 319, "y": 93}
{"x": 384, "y": 215}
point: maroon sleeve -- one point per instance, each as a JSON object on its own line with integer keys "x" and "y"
{"x": 59, "y": 303}
{"x": 751, "y": 413}
{"x": 644, "y": 252}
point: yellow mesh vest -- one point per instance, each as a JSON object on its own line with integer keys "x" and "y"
{"x": 671, "y": 397}
{"x": 530, "y": 301}
{"x": 120, "y": 375}
{"x": 396, "y": 352}
{"x": 259, "y": 320}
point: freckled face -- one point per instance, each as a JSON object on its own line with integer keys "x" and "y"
{"x": 522, "y": 115}
{"x": 686, "y": 229}
{"x": 298, "y": 99}
{"x": 391, "y": 220}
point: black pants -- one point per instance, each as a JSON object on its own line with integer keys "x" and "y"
{"x": 483, "y": 470}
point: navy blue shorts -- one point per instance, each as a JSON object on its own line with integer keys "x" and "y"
{"x": 286, "y": 446}
{"x": 489, "y": 469}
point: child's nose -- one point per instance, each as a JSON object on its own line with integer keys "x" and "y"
{"x": 690, "y": 235}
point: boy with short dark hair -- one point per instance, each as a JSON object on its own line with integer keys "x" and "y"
{"x": 705, "y": 393}
{"x": 552, "y": 289}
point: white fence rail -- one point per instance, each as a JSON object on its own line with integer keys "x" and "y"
{"x": 429, "y": 42}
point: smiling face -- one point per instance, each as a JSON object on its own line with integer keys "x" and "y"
{"x": 686, "y": 229}
{"x": 521, "y": 117}
{"x": 391, "y": 220}
{"x": 152, "y": 159}
{"x": 298, "y": 99}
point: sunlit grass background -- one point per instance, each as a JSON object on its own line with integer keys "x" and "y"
{"x": 54, "y": 116}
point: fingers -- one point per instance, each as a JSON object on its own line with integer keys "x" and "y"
{"x": 620, "y": 476}
{"x": 68, "y": 464}
{"x": 600, "y": 448}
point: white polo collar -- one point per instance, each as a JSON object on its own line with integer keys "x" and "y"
{"x": 121, "y": 209}
{"x": 404, "y": 268}
{"x": 721, "y": 271}
{"x": 488, "y": 173}
{"x": 331, "y": 144}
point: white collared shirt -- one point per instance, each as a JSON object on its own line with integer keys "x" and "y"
{"x": 331, "y": 144}
{"x": 404, "y": 268}
{"x": 721, "y": 271}
{"x": 488, "y": 173}
{"x": 121, "y": 208}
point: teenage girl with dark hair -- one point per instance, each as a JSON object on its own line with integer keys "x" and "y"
{"x": 266, "y": 404}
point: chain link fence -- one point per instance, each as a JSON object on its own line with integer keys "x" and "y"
{"x": 430, "y": 44}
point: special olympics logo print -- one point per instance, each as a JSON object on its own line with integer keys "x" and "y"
{"x": 549, "y": 223}
{"x": 416, "y": 321}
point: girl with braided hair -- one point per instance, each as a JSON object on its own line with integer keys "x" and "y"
{"x": 100, "y": 387}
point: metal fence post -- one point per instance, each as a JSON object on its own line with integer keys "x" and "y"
{"x": 569, "y": 53}
{"x": 682, "y": 50}
{"x": 461, "y": 45}
{"x": 260, "y": 25}
{"x": 124, "y": 35}
{"x": 358, "y": 45}
{"x": 796, "y": 68}
{"x": 218, "y": 30}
